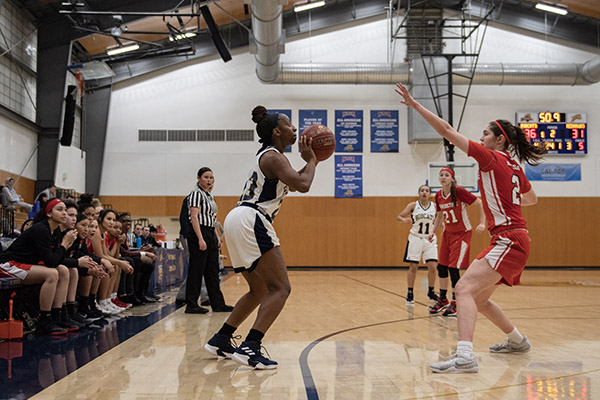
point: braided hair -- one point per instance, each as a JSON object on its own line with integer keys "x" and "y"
{"x": 265, "y": 123}
{"x": 517, "y": 143}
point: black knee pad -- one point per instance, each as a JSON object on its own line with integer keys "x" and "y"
{"x": 454, "y": 275}
{"x": 442, "y": 271}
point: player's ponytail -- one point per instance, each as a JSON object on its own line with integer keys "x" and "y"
{"x": 517, "y": 143}
{"x": 453, "y": 192}
{"x": 265, "y": 123}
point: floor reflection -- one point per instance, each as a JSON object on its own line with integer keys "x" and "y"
{"x": 36, "y": 362}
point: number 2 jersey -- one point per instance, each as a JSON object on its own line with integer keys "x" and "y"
{"x": 423, "y": 218}
{"x": 262, "y": 193}
{"x": 455, "y": 216}
{"x": 501, "y": 182}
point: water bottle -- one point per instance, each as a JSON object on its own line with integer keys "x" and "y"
{"x": 138, "y": 243}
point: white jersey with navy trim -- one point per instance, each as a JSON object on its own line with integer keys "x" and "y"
{"x": 423, "y": 218}
{"x": 263, "y": 193}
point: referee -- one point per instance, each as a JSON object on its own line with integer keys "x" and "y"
{"x": 204, "y": 244}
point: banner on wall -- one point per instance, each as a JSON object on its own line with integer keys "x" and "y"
{"x": 553, "y": 172}
{"x": 384, "y": 131}
{"x": 348, "y": 176}
{"x": 311, "y": 117}
{"x": 288, "y": 113}
{"x": 348, "y": 131}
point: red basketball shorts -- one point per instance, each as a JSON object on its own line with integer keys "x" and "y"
{"x": 507, "y": 254}
{"x": 455, "y": 249}
{"x": 13, "y": 269}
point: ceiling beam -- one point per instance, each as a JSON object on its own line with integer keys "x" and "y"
{"x": 577, "y": 29}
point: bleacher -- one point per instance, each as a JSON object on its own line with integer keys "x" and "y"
{"x": 66, "y": 193}
{"x": 7, "y": 221}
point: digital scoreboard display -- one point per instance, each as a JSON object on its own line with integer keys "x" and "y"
{"x": 560, "y": 132}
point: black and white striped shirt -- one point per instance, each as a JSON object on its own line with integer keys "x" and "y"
{"x": 206, "y": 204}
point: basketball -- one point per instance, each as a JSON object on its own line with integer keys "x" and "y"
{"x": 323, "y": 143}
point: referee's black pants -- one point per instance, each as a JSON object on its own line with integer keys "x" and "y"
{"x": 203, "y": 263}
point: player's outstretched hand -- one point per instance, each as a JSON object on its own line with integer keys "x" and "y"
{"x": 408, "y": 99}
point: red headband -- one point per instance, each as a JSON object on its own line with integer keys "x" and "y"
{"x": 449, "y": 171}
{"x": 51, "y": 205}
{"x": 504, "y": 133}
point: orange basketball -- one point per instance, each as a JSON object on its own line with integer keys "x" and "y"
{"x": 323, "y": 143}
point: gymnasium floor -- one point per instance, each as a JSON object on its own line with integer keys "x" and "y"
{"x": 347, "y": 334}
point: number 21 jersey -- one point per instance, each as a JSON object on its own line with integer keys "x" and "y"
{"x": 455, "y": 216}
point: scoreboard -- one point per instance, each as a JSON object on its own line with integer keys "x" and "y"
{"x": 561, "y": 132}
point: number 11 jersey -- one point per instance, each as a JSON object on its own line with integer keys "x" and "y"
{"x": 423, "y": 218}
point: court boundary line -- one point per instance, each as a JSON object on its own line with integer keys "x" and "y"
{"x": 311, "y": 389}
{"x": 309, "y": 383}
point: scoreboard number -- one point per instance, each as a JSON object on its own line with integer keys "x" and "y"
{"x": 560, "y": 132}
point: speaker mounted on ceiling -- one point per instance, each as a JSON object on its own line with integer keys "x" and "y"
{"x": 215, "y": 35}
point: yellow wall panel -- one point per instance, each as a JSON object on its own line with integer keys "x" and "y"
{"x": 330, "y": 232}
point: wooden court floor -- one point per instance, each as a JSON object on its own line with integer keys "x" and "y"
{"x": 348, "y": 334}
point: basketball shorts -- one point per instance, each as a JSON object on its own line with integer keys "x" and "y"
{"x": 418, "y": 248}
{"x": 507, "y": 254}
{"x": 12, "y": 269}
{"x": 455, "y": 249}
{"x": 248, "y": 236}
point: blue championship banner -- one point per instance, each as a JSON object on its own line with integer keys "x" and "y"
{"x": 288, "y": 113}
{"x": 384, "y": 131}
{"x": 310, "y": 117}
{"x": 348, "y": 176}
{"x": 348, "y": 131}
{"x": 553, "y": 172}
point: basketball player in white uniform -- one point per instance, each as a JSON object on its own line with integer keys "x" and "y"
{"x": 252, "y": 242}
{"x": 422, "y": 217}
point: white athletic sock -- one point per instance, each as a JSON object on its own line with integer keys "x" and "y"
{"x": 465, "y": 349}
{"x": 515, "y": 336}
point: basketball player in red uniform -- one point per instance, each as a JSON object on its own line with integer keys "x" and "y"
{"x": 451, "y": 205}
{"x": 504, "y": 189}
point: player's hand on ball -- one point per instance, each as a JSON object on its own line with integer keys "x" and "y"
{"x": 306, "y": 150}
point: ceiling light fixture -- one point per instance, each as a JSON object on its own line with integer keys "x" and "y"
{"x": 182, "y": 36}
{"x": 309, "y": 5}
{"x": 552, "y": 8}
{"x": 123, "y": 49}
{"x": 116, "y": 31}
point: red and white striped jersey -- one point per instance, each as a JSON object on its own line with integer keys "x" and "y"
{"x": 501, "y": 182}
{"x": 455, "y": 217}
